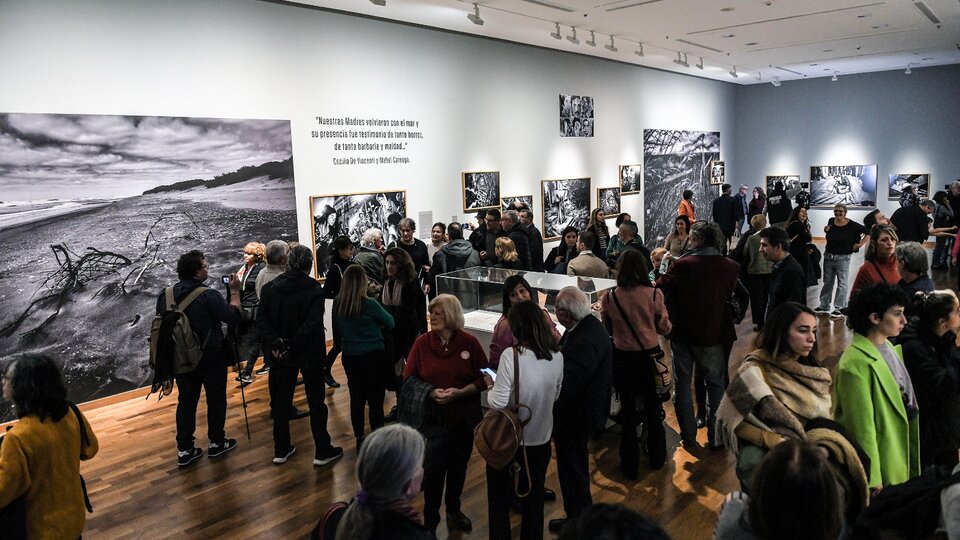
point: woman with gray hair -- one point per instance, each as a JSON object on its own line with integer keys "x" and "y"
{"x": 390, "y": 470}
{"x": 913, "y": 265}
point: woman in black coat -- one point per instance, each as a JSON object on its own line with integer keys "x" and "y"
{"x": 403, "y": 298}
{"x": 563, "y": 253}
{"x": 933, "y": 360}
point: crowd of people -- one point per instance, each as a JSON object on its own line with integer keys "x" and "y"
{"x": 814, "y": 446}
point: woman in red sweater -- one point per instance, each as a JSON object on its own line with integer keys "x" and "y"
{"x": 449, "y": 359}
{"x": 880, "y": 261}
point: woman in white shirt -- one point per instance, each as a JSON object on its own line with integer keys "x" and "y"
{"x": 541, "y": 372}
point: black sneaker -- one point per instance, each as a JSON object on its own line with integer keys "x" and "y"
{"x": 458, "y": 521}
{"x": 331, "y": 382}
{"x": 245, "y": 378}
{"x": 264, "y": 369}
{"x": 331, "y": 455}
{"x": 186, "y": 457}
{"x": 279, "y": 458}
{"x": 836, "y": 314}
{"x": 217, "y": 450}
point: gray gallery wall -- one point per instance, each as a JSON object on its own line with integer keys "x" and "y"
{"x": 903, "y": 123}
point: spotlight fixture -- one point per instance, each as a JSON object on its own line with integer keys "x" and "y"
{"x": 639, "y": 51}
{"x": 907, "y": 72}
{"x": 733, "y": 72}
{"x": 475, "y": 16}
{"x": 681, "y": 62}
{"x": 378, "y": 2}
{"x": 572, "y": 38}
{"x": 611, "y": 47}
{"x": 834, "y": 78}
{"x": 776, "y": 82}
{"x": 700, "y": 65}
{"x": 556, "y": 33}
{"x": 593, "y": 39}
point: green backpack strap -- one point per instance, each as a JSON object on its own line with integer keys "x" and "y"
{"x": 189, "y": 299}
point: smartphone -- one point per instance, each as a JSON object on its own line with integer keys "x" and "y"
{"x": 490, "y": 372}
{"x": 226, "y": 280}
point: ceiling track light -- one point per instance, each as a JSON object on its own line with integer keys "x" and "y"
{"x": 639, "y": 51}
{"x": 556, "y": 33}
{"x": 475, "y": 16}
{"x": 733, "y": 72}
{"x": 700, "y": 65}
{"x": 907, "y": 72}
{"x": 572, "y": 38}
{"x": 611, "y": 47}
{"x": 378, "y": 2}
{"x": 593, "y": 39}
{"x": 834, "y": 78}
{"x": 681, "y": 62}
{"x": 776, "y": 82}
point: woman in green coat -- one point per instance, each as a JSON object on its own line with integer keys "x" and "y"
{"x": 873, "y": 396}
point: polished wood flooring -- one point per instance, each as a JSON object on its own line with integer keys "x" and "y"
{"x": 138, "y": 491}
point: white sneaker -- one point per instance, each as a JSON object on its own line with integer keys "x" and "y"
{"x": 280, "y": 459}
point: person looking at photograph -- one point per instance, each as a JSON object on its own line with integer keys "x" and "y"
{"x": 873, "y": 395}
{"x": 725, "y": 212}
{"x": 778, "y": 206}
{"x": 844, "y": 238}
{"x": 561, "y": 255}
{"x": 254, "y": 254}
{"x": 880, "y": 261}
{"x": 415, "y": 248}
{"x": 686, "y": 207}
{"x": 598, "y": 226}
{"x": 788, "y": 282}
{"x": 343, "y": 250}
{"x": 493, "y": 231}
{"x": 616, "y": 244}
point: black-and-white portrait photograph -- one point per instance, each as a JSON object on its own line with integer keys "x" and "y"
{"x": 576, "y": 116}
{"x": 919, "y": 183}
{"x": 565, "y": 203}
{"x": 717, "y": 173}
{"x": 791, "y": 184}
{"x": 608, "y": 199}
{"x": 508, "y": 203}
{"x": 675, "y": 161}
{"x": 630, "y": 179}
{"x": 351, "y": 214}
{"x": 852, "y": 185}
{"x": 480, "y": 190}
{"x": 97, "y": 209}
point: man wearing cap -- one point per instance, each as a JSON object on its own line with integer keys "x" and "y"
{"x": 740, "y": 208}
{"x": 912, "y": 222}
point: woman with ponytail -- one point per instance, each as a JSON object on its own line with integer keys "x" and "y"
{"x": 389, "y": 469}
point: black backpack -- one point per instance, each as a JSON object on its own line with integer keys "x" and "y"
{"x": 911, "y": 509}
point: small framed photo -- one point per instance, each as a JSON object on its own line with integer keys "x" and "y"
{"x": 481, "y": 189}
{"x": 512, "y": 201}
{"x": 630, "y": 179}
{"x": 717, "y": 172}
{"x": 918, "y": 183}
{"x": 608, "y": 199}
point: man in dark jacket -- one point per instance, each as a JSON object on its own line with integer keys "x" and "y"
{"x": 456, "y": 255}
{"x": 206, "y": 315}
{"x": 778, "y": 206}
{"x": 628, "y": 233}
{"x": 493, "y": 230}
{"x": 912, "y": 222}
{"x": 725, "y": 212}
{"x": 696, "y": 289}
{"x": 479, "y": 234}
{"x": 788, "y": 283}
{"x": 535, "y": 238}
{"x": 290, "y": 320}
{"x": 584, "y": 401}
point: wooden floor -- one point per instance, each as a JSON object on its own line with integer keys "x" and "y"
{"x": 138, "y": 491}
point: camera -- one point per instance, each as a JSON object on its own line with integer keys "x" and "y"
{"x": 225, "y": 279}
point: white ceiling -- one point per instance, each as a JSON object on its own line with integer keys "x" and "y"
{"x": 764, "y": 39}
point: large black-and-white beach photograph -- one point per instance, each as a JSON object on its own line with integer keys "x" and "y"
{"x": 675, "y": 161}
{"x": 576, "y": 116}
{"x": 481, "y": 190}
{"x": 351, "y": 214}
{"x": 791, "y": 184}
{"x": 852, "y": 185}
{"x": 565, "y": 203}
{"x": 631, "y": 177}
{"x": 511, "y": 202}
{"x": 96, "y": 210}
{"x": 608, "y": 199}
{"x": 919, "y": 183}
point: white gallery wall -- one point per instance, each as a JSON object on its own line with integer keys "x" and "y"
{"x": 480, "y": 104}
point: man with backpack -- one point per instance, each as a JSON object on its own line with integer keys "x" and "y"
{"x": 196, "y": 337}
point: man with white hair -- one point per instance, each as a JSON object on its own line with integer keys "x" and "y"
{"x": 511, "y": 224}
{"x": 584, "y": 401}
{"x": 370, "y": 257}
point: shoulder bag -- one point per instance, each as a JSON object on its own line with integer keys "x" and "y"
{"x": 662, "y": 378}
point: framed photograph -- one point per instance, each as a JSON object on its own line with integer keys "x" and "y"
{"x": 352, "y": 214}
{"x": 630, "y": 178}
{"x": 717, "y": 172}
{"x": 675, "y": 161}
{"x": 565, "y": 202}
{"x": 480, "y": 190}
{"x": 608, "y": 199}
{"x": 576, "y": 116}
{"x": 852, "y": 185}
{"x": 506, "y": 203}
{"x": 791, "y": 184}
{"x": 920, "y": 183}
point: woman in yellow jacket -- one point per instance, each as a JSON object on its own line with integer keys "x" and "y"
{"x": 40, "y": 455}
{"x": 873, "y": 395}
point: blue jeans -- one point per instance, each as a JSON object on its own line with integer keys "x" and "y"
{"x": 711, "y": 362}
{"x": 835, "y": 268}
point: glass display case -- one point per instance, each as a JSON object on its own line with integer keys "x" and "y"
{"x": 480, "y": 291}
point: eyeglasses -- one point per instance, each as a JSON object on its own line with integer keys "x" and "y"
{"x": 406, "y": 230}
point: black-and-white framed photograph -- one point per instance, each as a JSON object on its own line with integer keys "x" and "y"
{"x": 675, "y": 161}
{"x": 576, "y": 116}
{"x": 511, "y": 202}
{"x": 351, "y": 214}
{"x": 565, "y": 203}
{"x": 791, "y": 184}
{"x": 480, "y": 190}
{"x": 852, "y": 185}
{"x": 630, "y": 179}
{"x": 717, "y": 172}
{"x": 608, "y": 200}
{"x": 96, "y": 210}
{"x": 920, "y": 183}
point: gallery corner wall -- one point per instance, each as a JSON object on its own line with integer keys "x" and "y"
{"x": 902, "y": 123}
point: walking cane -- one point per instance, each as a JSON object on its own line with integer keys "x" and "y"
{"x": 234, "y": 338}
